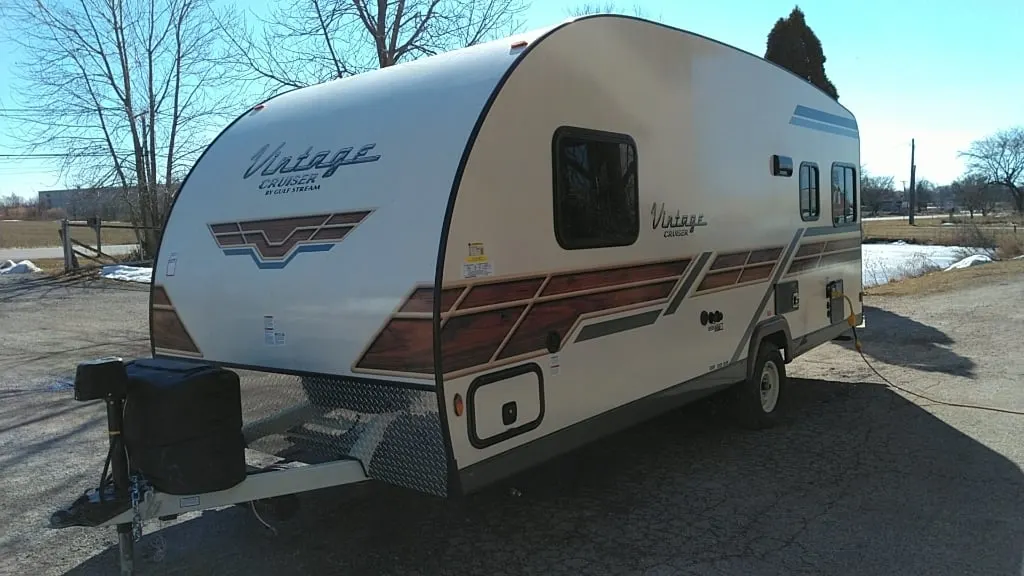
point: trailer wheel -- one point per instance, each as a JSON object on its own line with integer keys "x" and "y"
{"x": 760, "y": 398}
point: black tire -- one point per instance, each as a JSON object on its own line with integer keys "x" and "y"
{"x": 750, "y": 410}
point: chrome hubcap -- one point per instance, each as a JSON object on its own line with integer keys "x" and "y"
{"x": 769, "y": 386}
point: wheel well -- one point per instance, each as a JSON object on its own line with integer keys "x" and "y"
{"x": 778, "y": 336}
{"x": 780, "y": 341}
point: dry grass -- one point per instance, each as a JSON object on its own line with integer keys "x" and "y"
{"x": 51, "y": 266}
{"x": 940, "y": 281}
{"x": 1010, "y": 246}
{"x": 964, "y": 232}
{"x": 45, "y": 234}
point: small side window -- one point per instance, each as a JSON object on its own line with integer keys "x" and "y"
{"x": 596, "y": 194}
{"x": 810, "y": 197}
{"x": 844, "y": 194}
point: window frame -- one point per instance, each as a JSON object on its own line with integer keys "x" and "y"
{"x": 856, "y": 194}
{"x": 817, "y": 191}
{"x": 590, "y": 135}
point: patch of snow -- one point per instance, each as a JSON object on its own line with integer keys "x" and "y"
{"x": 127, "y": 273}
{"x": 883, "y": 263}
{"x": 972, "y": 260}
{"x": 1019, "y": 258}
{"x": 23, "y": 267}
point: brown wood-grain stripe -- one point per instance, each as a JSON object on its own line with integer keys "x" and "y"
{"x": 511, "y": 291}
{"x": 404, "y": 345}
{"x": 730, "y": 260}
{"x": 577, "y": 281}
{"x": 422, "y": 300}
{"x": 803, "y": 265}
{"x": 756, "y": 273}
{"x": 845, "y": 244}
{"x": 836, "y": 258}
{"x": 719, "y": 279}
{"x": 558, "y": 316}
{"x": 513, "y": 313}
{"x": 167, "y": 330}
{"x": 810, "y": 249}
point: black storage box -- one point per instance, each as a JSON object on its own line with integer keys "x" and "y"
{"x": 183, "y": 425}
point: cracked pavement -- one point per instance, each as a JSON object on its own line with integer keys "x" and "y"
{"x": 859, "y": 479}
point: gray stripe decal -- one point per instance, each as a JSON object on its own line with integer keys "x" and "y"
{"x": 780, "y": 268}
{"x": 820, "y": 127}
{"x": 688, "y": 283}
{"x": 826, "y": 117}
{"x": 608, "y": 327}
{"x": 828, "y": 231}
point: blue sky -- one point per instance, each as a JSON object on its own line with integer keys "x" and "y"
{"x": 940, "y": 71}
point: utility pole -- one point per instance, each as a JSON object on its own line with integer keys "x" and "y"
{"x": 913, "y": 189}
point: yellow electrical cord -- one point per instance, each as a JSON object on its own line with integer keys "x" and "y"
{"x": 852, "y": 321}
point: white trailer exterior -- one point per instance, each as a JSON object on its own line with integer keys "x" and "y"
{"x": 498, "y": 254}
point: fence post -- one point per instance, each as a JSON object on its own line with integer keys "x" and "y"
{"x": 66, "y": 244}
{"x": 99, "y": 225}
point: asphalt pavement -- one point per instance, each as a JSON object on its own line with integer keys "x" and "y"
{"x": 859, "y": 480}
{"x": 19, "y": 254}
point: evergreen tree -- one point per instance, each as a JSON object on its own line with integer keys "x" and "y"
{"x": 794, "y": 46}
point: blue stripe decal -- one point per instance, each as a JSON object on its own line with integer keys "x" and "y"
{"x": 820, "y": 127}
{"x": 822, "y": 116}
{"x": 278, "y": 264}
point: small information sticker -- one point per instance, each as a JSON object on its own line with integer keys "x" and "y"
{"x": 476, "y": 264}
{"x": 172, "y": 263}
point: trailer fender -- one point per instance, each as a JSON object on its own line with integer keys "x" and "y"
{"x": 775, "y": 329}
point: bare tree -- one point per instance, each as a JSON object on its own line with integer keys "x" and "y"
{"x": 127, "y": 91}
{"x": 999, "y": 158}
{"x": 305, "y": 42}
{"x": 609, "y": 7}
{"x": 924, "y": 193}
{"x": 875, "y": 191}
{"x": 974, "y": 193}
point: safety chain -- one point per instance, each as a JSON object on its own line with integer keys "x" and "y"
{"x": 136, "y": 488}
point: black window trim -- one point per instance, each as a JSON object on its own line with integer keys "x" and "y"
{"x": 599, "y": 135}
{"x": 856, "y": 195}
{"x": 817, "y": 190}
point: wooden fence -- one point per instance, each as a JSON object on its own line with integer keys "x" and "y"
{"x": 75, "y": 249}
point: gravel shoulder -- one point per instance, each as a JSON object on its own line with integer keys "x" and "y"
{"x": 860, "y": 479}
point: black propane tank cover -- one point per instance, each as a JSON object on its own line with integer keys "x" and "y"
{"x": 100, "y": 378}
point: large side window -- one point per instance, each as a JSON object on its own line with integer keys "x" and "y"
{"x": 810, "y": 197}
{"x": 596, "y": 195}
{"x": 844, "y": 195}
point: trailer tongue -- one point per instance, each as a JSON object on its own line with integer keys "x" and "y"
{"x": 177, "y": 445}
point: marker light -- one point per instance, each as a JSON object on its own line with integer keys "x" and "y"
{"x": 458, "y": 404}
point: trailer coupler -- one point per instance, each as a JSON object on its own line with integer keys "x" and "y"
{"x": 91, "y": 510}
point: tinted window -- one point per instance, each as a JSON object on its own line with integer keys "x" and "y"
{"x": 810, "y": 198}
{"x": 844, "y": 197}
{"x": 596, "y": 197}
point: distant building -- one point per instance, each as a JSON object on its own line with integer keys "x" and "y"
{"x": 109, "y": 203}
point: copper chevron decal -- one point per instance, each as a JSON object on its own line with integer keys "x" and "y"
{"x": 273, "y": 243}
{"x": 168, "y": 332}
{"x": 824, "y": 254}
{"x": 493, "y": 322}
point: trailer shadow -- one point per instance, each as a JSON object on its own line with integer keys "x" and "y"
{"x": 857, "y": 481}
{"x": 898, "y": 340}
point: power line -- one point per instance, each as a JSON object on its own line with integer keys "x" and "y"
{"x": 51, "y": 155}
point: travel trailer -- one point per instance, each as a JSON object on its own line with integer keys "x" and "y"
{"x": 439, "y": 274}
